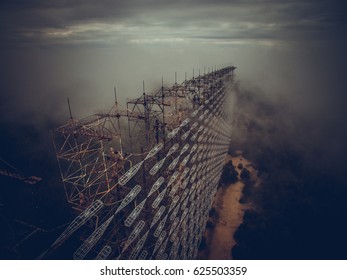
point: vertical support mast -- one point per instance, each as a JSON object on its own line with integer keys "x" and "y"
{"x": 163, "y": 105}
{"x": 146, "y": 112}
{"x": 68, "y": 104}
{"x": 176, "y": 93}
{"x": 118, "y": 121}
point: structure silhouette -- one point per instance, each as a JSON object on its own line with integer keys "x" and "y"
{"x": 142, "y": 179}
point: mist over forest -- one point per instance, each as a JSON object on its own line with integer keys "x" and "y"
{"x": 299, "y": 206}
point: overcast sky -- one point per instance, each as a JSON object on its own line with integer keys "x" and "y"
{"x": 109, "y": 23}
{"x": 54, "y": 49}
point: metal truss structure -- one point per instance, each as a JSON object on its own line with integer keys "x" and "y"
{"x": 10, "y": 171}
{"x": 148, "y": 199}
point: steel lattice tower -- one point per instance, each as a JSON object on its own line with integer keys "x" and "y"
{"x": 148, "y": 199}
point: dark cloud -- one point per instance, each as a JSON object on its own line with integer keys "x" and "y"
{"x": 114, "y": 21}
{"x": 81, "y": 49}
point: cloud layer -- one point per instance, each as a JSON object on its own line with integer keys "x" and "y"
{"x": 222, "y": 22}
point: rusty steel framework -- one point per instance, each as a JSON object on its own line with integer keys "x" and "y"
{"x": 148, "y": 199}
{"x": 10, "y": 171}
